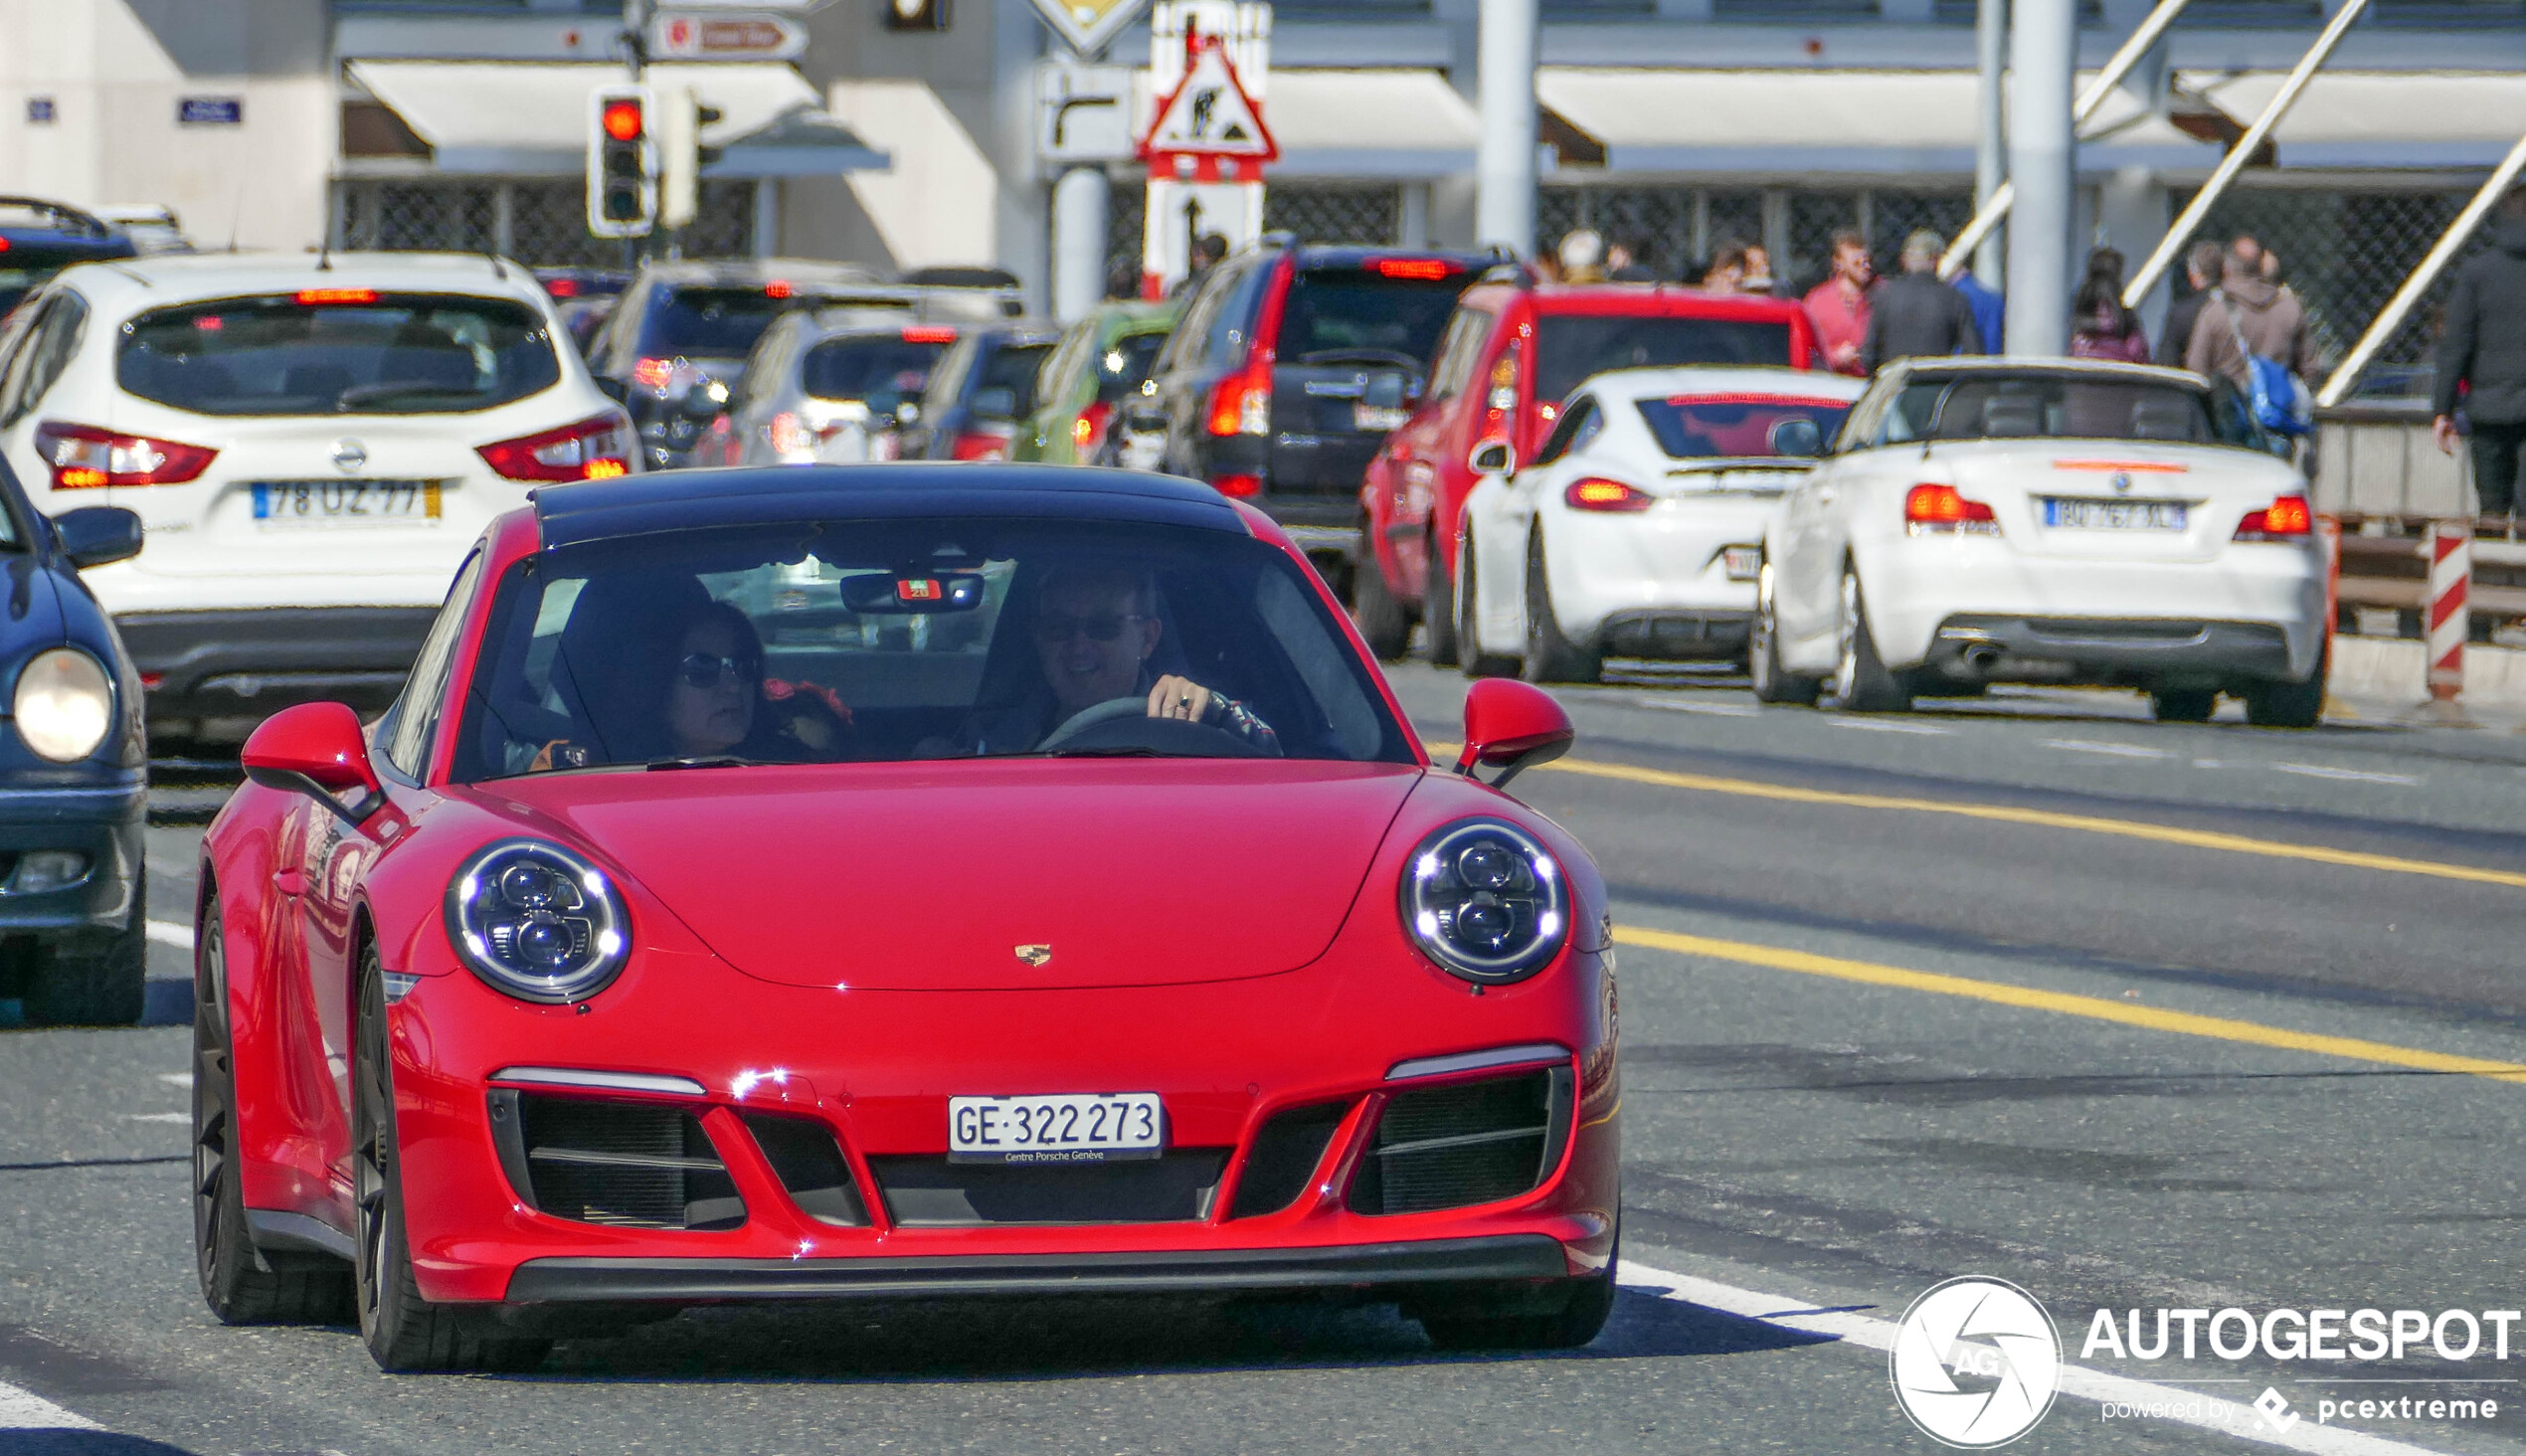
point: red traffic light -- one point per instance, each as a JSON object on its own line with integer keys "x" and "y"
{"x": 622, "y": 120}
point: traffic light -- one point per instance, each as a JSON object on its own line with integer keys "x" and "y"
{"x": 679, "y": 120}
{"x": 623, "y": 161}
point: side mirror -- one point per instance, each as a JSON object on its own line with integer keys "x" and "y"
{"x": 704, "y": 402}
{"x": 612, "y": 388}
{"x": 1492, "y": 458}
{"x": 1512, "y": 726}
{"x": 94, "y": 535}
{"x": 316, "y": 749}
{"x": 1797, "y": 437}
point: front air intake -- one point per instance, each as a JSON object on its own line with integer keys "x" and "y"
{"x": 1465, "y": 1143}
{"x": 807, "y": 1160}
{"x": 1284, "y": 1157}
{"x": 632, "y": 1165}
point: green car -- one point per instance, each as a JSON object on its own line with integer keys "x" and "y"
{"x": 1100, "y": 360}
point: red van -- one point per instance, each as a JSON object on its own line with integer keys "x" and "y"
{"x": 1512, "y": 351}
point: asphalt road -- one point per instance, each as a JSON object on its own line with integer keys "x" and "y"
{"x": 2133, "y": 1015}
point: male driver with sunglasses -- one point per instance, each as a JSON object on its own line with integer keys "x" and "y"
{"x": 1095, "y": 629}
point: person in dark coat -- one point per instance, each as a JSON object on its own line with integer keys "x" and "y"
{"x": 2483, "y": 353}
{"x": 2201, "y": 269}
{"x": 1915, "y": 314}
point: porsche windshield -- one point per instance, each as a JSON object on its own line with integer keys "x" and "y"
{"x": 875, "y": 640}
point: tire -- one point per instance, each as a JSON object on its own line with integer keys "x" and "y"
{"x": 1471, "y": 659}
{"x": 94, "y": 984}
{"x": 241, "y": 1283}
{"x": 2290, "y": 704}
{"x": 403, "y": 1330}
{"x": 1551, "y": 656}
{"x": 1772, "y": 683}
{"x": 1860, "y": 682}
{"x": 1438, "y": 609}
{"x": 1469, "y": 1320}
{"x": 2183, "y": 705}
{"x": 1383, "y": 620}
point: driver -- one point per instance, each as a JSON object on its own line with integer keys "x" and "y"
{"x": 1094, "y": 630}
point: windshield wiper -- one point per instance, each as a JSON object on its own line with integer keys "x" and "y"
{"x": 1115, "y": 751}
{"x": 369, "y": 394}
{"x": 704, "y": 761}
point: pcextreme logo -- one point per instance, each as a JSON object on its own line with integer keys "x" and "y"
{"x": 1976, "y": 1362}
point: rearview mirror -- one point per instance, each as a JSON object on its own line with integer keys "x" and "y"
{"x": 316, "y": 749}
{"x": 1492, "y": 458}
{"x": 94, "y": 535}
{"x": 1797, "y": 436}
{"x": 1512, "y": 726}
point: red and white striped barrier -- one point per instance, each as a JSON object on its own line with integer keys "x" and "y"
{"x": 2451, "y": 573}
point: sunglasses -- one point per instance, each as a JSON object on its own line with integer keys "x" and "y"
{"x": 1056, "y": 630}
{"x": 709, "y": 669}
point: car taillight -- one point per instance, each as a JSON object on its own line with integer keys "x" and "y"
{"x": 928, "y": 333}
{"x": 1429, "y": 270}
{"x": 787, "y": 435}
{"x": 596, "y": 449}
{"x": 1237, "y": 484}
{"x": 2285, "y": 520}
{"x": 1087, "y": 433}
{"x": 1241, "y": 403}
{"x": 979, "y": 444}
{"x": 1598, "y": 494}
{"x": 84, "y": 458}
{"x": 1931, "y": 507}
{"x": 653, "y": 373}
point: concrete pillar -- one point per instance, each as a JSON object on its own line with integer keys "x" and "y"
{"x": 1505, "y": 162}
{"x": 2043, "y": 49}
{"x": 1990, "y": 153}
{"x": 766, "y": 218}
{"x": 1452, "y": 207}
{"x": 1413, "y": 215}
{"x": 1079, "y": 211}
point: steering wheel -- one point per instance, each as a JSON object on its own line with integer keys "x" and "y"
{"x": 1125, "y": 723}
{"x": 1087, "y": 718}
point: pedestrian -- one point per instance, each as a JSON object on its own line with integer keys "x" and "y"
{"x": 1626, "y": 261}
{"x": 2483, "y": 354}
{"x": 1726, "y": 273}
{"x": 1838, "y": 307}
{"x": 1914, "y": 314}
{"x": 1990, "y": 311}
{"x": 1758, "y": 271}
{"x": 1209, "y": 250}
{"x": 2100, "y": 326}
{"x": 1582, "y": 256}
{"x": 1123, "y": 280}
{"x": 2265, "y": 318}
{"x": 2201, "y": 271}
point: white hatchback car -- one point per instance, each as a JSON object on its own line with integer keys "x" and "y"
{"x": 2047, "y": 521}
{"x": 1638, "y": 529}
{"x": 311, "y": 444}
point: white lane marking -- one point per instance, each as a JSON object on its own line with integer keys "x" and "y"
{"x": 2209, "y": 764}
{"x": 169, "y": 933}
{"x": 1715, "y": 710}
{"x": 2119, "y": 749}
{"x": 1871, "y": 725}
{"x": 2359, "y": 776}
{"x": 164, "y": 1117}
{"x": 177, "y": 1079}
{"x": 1785, "y": 1313}
{"x": 23, "y": 1410}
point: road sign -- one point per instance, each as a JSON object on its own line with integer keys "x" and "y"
{"x": 1209, "y": 114}
{"x": 1089, "y": 26}
{"x": 1085, "y": 113}
{"x": 679, "y": 35}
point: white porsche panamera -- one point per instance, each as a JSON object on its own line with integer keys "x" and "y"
{"x": 2045, "y": 521}
{"x": 1637, "y": 531}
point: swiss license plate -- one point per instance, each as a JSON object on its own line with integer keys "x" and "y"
{"x": 345, "y": 502}
{"x": 1744, "y": 563}
{"x": 2115, "y": 515}
{"x": 1378, "y": 418}
{"x": 1058, "y": 1128}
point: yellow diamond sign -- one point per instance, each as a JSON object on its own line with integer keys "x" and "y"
{"x": 1089, "y": 26}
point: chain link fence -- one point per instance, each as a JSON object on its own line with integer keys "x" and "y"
{"x": 1334, "y": 214}
{"x": 539, "y": 222}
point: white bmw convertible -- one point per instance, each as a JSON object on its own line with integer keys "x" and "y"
{"x": 1638, "y": 528}
{"x": 2045, "y": 521}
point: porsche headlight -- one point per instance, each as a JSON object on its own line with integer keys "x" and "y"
{"x": 65, "y": 704}
{"x": 1486, "y": 901}
{"x": 537, "y": 922}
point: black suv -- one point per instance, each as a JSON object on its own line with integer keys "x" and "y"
{"x": 978, "y": 392}
{"x": 677, "y": 344}
{"x": 1288, "y": 367}
{"x": 38, "y": 239}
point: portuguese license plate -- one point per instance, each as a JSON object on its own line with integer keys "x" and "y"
{"x": 2115, "y": 515}
{"x": 345, "y": 502}
{"x": 1744, "y": 563}
{"x": 1102, "y": 1127}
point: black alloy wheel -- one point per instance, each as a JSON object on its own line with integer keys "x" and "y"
{"x": 1772, "y": 683}
{"x": 1551, "y": 656}
{"x": 1383, "y": 623}
{"x": 241, "y": 1283}
{"x": 1438, "y": 606}
{"x": 1471, "y": 659}
{"x": 2183, "y": 704}
{"x": 403, "y": 1330}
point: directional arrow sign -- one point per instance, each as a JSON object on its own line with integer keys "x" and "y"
{"x": 715, "y": 37}
{"x": 1209, "y": 114}
{"x": 1089, "y": 25}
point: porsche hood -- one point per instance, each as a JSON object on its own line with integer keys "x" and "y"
{"x": 974, "y": 876}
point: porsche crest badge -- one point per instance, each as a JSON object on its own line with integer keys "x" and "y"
{"x": 1034, "y": 955}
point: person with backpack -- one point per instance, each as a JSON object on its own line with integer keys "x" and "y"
{"x": 2100, "y": 327}
{"x": 2247, "y": 316}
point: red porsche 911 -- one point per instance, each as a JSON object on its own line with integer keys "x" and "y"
{"x": 895, "y": 881}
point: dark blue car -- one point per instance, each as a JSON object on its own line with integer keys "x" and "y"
{"x": 38, "y": 239}
{"x": 74, "y": 771}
